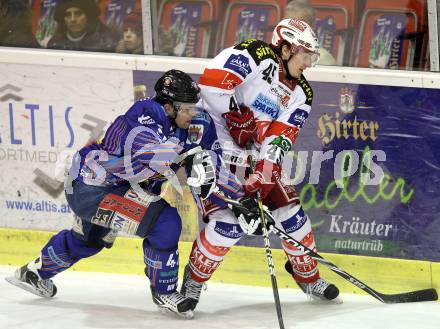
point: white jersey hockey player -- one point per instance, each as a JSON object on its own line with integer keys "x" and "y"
{"x": 256, "y": 93}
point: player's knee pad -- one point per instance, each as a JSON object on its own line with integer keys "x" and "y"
{"x": 161, "y": 267}
{"x": 223, "y": 228}
{"x": 293, "y": 220}
{"x": 205, "y": 257}
{"x": 80, "y": 248}
{"x": 213, "y": 242}
{"x": 93, "y": 235}
{"x": 166, "y": 230}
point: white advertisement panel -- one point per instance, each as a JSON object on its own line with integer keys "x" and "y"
{"x": 48, "y": 112}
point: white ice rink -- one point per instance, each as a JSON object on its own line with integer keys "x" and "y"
{"x": 95, "y": 300}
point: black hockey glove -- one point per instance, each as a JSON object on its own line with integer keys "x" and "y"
{"x": 201, "y": 173}
{"x": 248, "y": 215}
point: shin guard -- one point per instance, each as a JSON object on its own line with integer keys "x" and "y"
{"x": 205, "y": 258}
{"x": 61, "y": 252}
{"x": 161, "y": 267}
{"x": 305, "y": 269}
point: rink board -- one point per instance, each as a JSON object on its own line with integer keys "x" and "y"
{"x": 63, "y": 99}
{"x": 244, "y": 265}
{"x": 66, "y": 99}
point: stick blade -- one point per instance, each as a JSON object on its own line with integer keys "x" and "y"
{"x": 424, "y": 295}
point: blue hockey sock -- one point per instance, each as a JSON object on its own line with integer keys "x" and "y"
{"x": 161, "y": 268}
{"x": 61, "y": 252}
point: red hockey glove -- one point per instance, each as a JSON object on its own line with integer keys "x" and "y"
{"x": 241, "y": 125}
{"x": 263, "y": 179}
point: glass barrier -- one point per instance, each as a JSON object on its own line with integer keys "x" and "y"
{"x": 88, "y": 25}
{"x": 390, "y": 34}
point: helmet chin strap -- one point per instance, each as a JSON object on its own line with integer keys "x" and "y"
{"x": 278, "y": 51}
{"x": 172, "y": 120}
{"x": 172, "y": 116}
{"x": 286, "y": 68}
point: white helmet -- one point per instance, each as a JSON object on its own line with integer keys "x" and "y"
{"x": 298, "y": 34}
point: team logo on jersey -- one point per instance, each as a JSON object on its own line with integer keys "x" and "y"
{"x": 266, "y": 105}
{"x": 238, "y": 64}
{"x": 298, "y": 117}
{"x": 145, "y": 120}
{"x": 195, "y": 133}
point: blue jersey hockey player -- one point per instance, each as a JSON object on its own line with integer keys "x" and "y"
{"x": 115, "y": 186}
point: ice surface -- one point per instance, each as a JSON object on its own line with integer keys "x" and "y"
{"x": 96, "y": 300}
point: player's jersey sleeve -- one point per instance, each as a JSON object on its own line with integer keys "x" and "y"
{"x": 149, "y": 138}
{"x": 282, "y": 132}
{"x": 137, "y": 146}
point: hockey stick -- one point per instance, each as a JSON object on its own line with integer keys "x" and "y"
{"x": 406, "y": 297}
{"x": 269, "y": 257}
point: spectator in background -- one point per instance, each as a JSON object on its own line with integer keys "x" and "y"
{"x": 131, "y": 42}
{"x": 79, "y": 27}
{"x": 301, "y": 9}
{"x": 16, "y": 24}
{"x": 165, "y": 43}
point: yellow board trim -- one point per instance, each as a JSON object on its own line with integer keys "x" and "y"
{"x": 243, "y": 265}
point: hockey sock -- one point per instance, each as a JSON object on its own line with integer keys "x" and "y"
{"x": 304, "y": 268}
{"x": 61, "y": 252}
{"x": 205, "y": 258}
{"x": 161, "y": 267}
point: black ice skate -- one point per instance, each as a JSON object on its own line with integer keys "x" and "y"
{"x": 27, "y": 278}
{"x": 321, "y": 290}
{"x": 318, "y": 290}
{"x": 191, "y": 289}
{"x": 174, "y": 303}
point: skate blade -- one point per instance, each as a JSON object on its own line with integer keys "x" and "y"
{"x": 188, "y": 315}
{"x": 25, "y": 286}
{"x": 335, "y": 301}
